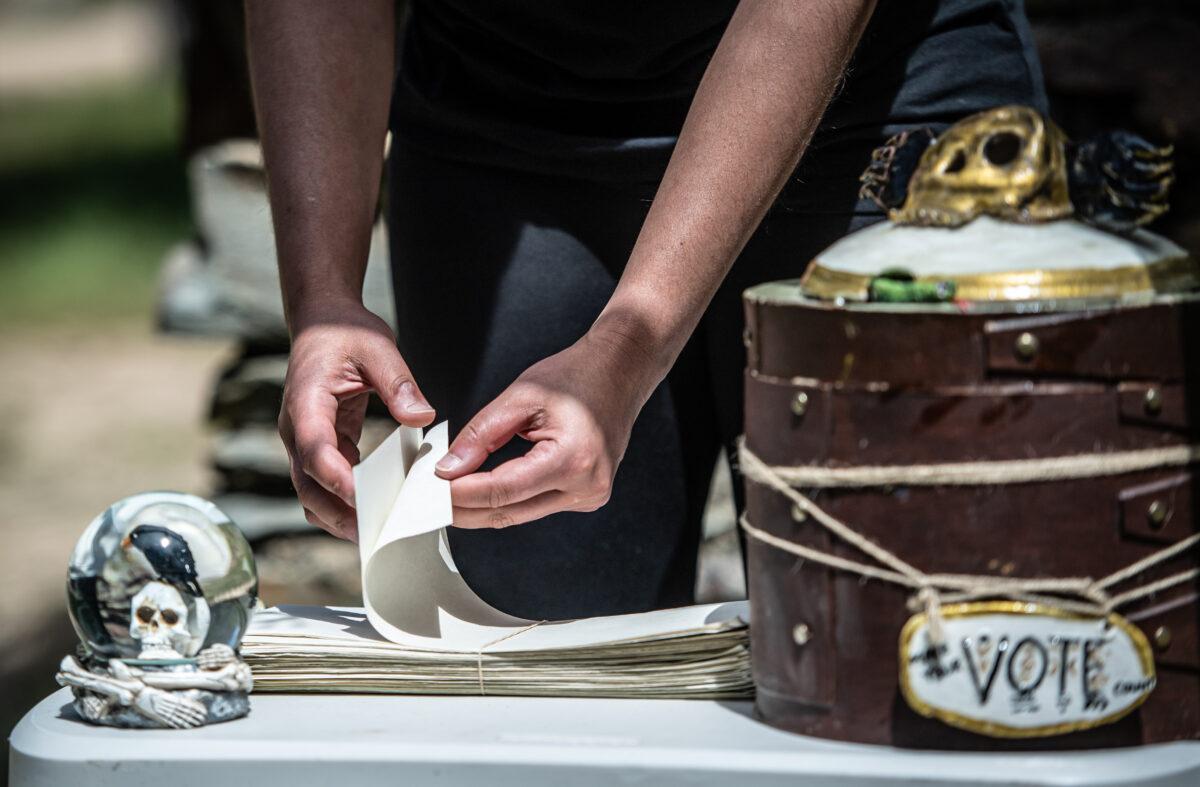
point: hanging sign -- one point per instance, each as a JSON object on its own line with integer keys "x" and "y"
{"x": 1014, "y": 670}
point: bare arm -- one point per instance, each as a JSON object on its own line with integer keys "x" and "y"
{"x": 756, "y": 109}
{"x": 322, "y": 74}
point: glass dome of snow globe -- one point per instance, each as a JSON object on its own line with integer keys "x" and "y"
{"x": 160, "y": 575}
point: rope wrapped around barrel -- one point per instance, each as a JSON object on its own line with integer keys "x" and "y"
{"x": 1082, "y": 595}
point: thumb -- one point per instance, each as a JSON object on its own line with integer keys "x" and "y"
{"x": 389, "y": 375}
{"x": 491, "y": 428}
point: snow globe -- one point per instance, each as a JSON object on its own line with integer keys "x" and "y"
{"x": 160, "y": 588}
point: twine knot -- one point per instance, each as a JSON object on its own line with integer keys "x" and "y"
{"x": 929, "y": 599}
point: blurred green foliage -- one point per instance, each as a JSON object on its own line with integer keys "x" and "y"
{"x": 92, "y": 194}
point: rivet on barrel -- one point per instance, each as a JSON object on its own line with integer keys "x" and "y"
{"x": 1157, "y": 514}
{"x": 1026, "y": 346}
{"x": 747, "y": 336}
{"x": 798, "y": 513}
{"x": 800, "y": 403}
{"x": 801, "y": 634}
{"x": 1154, "y": 401}
{"x": 1162, "y": 638}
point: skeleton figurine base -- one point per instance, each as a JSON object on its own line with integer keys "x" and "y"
{"x": 215, "y": 686}
{"x": 161, "y": 588}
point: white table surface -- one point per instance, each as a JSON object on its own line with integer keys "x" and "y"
{"x": 342, "y": 740}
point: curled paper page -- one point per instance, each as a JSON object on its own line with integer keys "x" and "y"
{"x": 412, "y": 591}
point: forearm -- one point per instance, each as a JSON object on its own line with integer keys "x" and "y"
{"x": 322, "y": 74}
{"x": 757, "y": 107}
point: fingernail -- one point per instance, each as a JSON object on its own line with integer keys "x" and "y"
{"x": 409, "y": 400}
{"x": 448, "y": 463}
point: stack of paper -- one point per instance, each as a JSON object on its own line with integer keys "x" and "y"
{"x": 689, "y": 653}
{"x": 423, "y": 629}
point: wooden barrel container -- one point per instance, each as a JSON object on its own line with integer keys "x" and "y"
{"x": 873, "y": 384}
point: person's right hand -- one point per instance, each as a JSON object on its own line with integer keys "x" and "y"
{"x": 337, "y": 358}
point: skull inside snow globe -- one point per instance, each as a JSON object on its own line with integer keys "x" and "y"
{"x": 160, "y": 576}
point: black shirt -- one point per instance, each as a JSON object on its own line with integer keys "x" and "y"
{"x": 601, "y": 89}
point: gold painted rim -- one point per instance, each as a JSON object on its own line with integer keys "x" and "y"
{"x": 1177, "y": 274}
{"x": 993, "y": 729}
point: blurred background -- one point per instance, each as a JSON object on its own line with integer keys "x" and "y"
{"x": 141, "y": 339}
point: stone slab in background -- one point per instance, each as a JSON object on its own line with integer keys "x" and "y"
{"x": 226, "y": 283}
{"x": 252, "y": 459}
{"x": 309, "y": 568}
{"x": 250, "y": 390}
{"x": 262, "y": 516}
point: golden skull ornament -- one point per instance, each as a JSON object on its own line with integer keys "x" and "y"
{"x": 1007, "y": 162}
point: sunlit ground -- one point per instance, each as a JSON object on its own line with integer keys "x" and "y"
{"x": 94, "y": 405}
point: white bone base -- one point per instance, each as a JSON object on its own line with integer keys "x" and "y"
{"x": 118, "y": 694}
{"x": 215, "y": 706}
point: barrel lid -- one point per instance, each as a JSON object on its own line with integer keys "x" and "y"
{"x": 994, "y": 260}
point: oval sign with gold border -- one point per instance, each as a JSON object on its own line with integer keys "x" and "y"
{"x": 1014, "y": 670}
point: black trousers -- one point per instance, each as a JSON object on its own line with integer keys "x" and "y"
{"x": 496, "y": 268}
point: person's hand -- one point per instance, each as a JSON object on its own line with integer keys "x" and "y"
{"x": 337, "y": 358}
{"x": 577, "y": 407}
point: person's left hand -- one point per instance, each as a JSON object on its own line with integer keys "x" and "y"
{"x": 577, "y": 407}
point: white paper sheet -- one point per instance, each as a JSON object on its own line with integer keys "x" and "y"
{"x": 348, "y": 627}
{"x": 412, "y": 591}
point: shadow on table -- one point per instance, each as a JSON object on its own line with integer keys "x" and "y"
{"x": 67, "y": 712}
{"x": 351, "y": 621}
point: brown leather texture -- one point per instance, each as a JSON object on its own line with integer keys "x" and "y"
{"x": 950, "y": 346}
{"x": 913, "y": 387}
